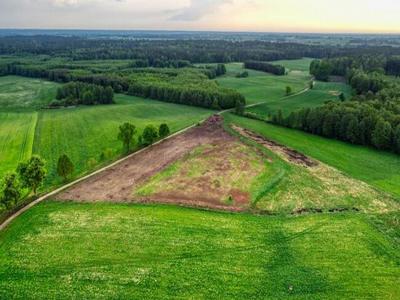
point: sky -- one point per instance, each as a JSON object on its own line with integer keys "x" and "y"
{"x": 341, "y": 16}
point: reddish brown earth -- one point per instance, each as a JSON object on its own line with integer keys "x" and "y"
{"x": 290, "y": 155}
{"x": 118, "y": 183}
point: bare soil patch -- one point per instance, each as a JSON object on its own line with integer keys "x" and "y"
{"x": 288, "y": 154}
{"x": 118, "y": 183}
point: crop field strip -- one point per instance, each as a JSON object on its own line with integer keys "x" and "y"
{"x": 138, "y": 251}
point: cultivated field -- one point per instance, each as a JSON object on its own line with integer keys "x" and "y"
{"x": 70, "y": 250}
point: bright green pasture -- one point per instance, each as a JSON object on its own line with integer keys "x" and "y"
{"x": 261, "y": 86}
{"x": 321, "y": 93}
{"x": 16, "y": 138}
{"x": 19, "y": 92}
{"x": 90, "y": 251}
{"x": 83, "y": 133}
{"x": 377, "y": 168}
{"x": 295, "y": 64}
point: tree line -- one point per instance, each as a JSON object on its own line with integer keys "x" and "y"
{"x": 371, "y": 123}
{"x": 75, "y": 93}
{"x": 189, "y": 88}
{"x": 265, "y": 67}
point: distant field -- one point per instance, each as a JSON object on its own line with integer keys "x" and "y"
{"x": 69, "y": 250}
{"x": 295, "y": 64}
{"x": 16, "y": 138}
{"x": 83, "y": 133}
{"x": 261, "y": 86}
{"x": 322, "y": 92}
{"x": 377, "y": 168}
{"x": 19, "y": 92}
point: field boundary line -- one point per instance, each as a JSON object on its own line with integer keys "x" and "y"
{"x": 68, "y": 185}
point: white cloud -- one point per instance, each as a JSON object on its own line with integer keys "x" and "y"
{"x": 198, "y": 9}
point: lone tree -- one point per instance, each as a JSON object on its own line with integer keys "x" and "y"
{"x": 288, "y": 90}
{"x": 32, "y": 173}
{"x": 65, "y": 167}
{"x": 163, "y": 130}
{"x": 149, "y": 135}
{"x": 10, "y": 190}
{"x": 125, "y": 135}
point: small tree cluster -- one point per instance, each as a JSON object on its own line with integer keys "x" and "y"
{"x": 75, "y": 93}
{"x": 265, "y": 67}
{"x": 30, "y": 175}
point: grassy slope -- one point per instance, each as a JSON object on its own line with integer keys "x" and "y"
{"x": 322, "y": 92}
{"x": 16, "y": 138}
{"x": 377, "y": 168}
{"x": 261, "y": 86}
{"x": 84, "y": 132}
{"x": 67, "y": 250}
{"x": 19, "y": 92}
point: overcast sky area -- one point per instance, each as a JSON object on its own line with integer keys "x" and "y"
{"x": 364, "y": 16}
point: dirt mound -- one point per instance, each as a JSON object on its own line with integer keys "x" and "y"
{"x": 289, "y": 154}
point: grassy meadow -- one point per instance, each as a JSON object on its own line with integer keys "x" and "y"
{"x": 261, "y": 86}
{"x": 380, "y": 169}
{"x": 25, "y": 93}
{"x": 82, "y": 133}
{"x": 321, "y": 93}
{"x": 17, "y": 132}
{"x": 69, "y": 251}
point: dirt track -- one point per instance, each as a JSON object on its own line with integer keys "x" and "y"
{"x": 117, "y": 184}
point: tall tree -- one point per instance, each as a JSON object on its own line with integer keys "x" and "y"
{"x": 32, "y": 173}
{"x": 65, "y": 167}
{"x": 125, "y": 135}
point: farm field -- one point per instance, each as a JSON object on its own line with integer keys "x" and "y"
{"x": 16, "y": 138}
{"x": 377, "y": 168}
{"x": 321, "y": 93}
{"x": 264, "y": 87}
{"x": 25, "y": 93}
{"x": 136, "y": 251}
{"x": 83, "y": 133}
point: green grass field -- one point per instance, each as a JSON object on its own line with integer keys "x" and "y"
{"x": 264, "y": 87}
{"x": 70, "y": 251}
{"x": 83, "y": 133}
{"x": 377, "y": 168}
{"x": 16, "y": 138}
{"x": 295, "y": 64}
{"x": 322, "y": 92}
{"x": 25, "y": 93}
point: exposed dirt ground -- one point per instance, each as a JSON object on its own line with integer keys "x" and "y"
{"x": 222, "y": 174}
{"x": 118, "y": 183}
{"x": 287, "y": 153}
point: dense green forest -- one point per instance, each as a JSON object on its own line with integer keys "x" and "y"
{"x": 265, "y": 67}
{"x": 372, "y": 117}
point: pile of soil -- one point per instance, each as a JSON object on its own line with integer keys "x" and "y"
{"x": 290, "y": 154}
